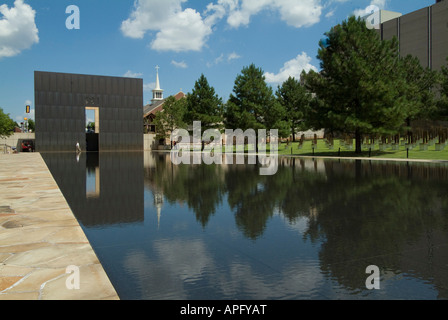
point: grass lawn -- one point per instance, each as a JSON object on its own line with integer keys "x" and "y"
{"x": 339, "y": 150}
{"x": 323, "y": 150}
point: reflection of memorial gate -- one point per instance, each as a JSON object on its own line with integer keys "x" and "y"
{"x": 61, "y": 102}
{"x": 101, "y": 188}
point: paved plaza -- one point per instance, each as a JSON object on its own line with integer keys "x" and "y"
{"x": 40, "y": 238}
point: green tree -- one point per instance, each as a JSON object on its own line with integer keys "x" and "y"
{"x": 204, "y": 105}
{"x": 362, "y": 86}
{"x": 170, "y": 118}
{"x": 6, "y": 125}
{"x": 276, "y": 117}
{"x": 90, "y": 126}
{"x": 295, "y": 99}
{"x": 420, "y": 89}
{"x": 443, "y": 101}
{"x": 31, "y": 125}
{"x": 252, "y": 105}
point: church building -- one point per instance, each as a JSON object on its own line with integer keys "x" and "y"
{"x": 150, "y": 111}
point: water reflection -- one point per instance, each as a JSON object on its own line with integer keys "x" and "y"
{"x": 164, "y": 231}
{"x": 93, "y": 177}
{"x": 393, "y": 215}
{"x": 101, "y": 189}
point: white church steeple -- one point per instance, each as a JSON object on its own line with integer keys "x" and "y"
{"x": 157, "y": 93}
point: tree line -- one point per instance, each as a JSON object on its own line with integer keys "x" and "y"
{"x": 364, "y": 88}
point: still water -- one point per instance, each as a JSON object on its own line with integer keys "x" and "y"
{"x": 217, "y": 232}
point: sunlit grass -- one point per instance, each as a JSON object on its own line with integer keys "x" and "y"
{"x": 340, "y": 150}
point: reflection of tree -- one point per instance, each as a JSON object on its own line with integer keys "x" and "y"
{"x": 205, "y": 190}
{"x": 201, "y": 187}
{"x": 256, "y": 198}
{"x": 301, "y": 198}
{"x": 361, "y": 213}
{"x": 372, "y": 218}
{"x": 248, "y": 199}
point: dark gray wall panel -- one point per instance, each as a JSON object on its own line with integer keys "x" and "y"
{"x": 414, "y": 35}
{"x": 390, "y": 29}
{"x": 439, "y": 35}
{"x": 61, "y": 100}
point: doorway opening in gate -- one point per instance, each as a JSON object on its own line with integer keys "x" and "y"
{"x": 92, "y": 129}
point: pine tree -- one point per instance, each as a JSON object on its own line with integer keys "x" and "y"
{"x": 252, "y": 105}
{"x": 362, "y": 86}
{"x": 294, "y": 97}
{"x": 204, "y": 105}
{"x": 420, "y": 91}
{"x": 443, "y": 101}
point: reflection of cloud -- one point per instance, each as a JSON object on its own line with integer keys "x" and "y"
{"x": 297, "y": 280}
{"x": 303, "y": 280}
{"x": 187, "y": 259}
{"x": 300, "y": 224}
{"x": 178, "y": 262}
{"x": 154, "y": 279}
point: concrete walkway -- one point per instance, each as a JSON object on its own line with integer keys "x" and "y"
{"x": 40, "y": 238}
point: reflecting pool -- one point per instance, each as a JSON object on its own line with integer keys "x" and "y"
{"x": 220, "y": 232}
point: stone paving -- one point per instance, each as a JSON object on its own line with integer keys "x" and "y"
{"x": 40, "y": 238}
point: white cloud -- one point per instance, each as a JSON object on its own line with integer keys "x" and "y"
{"x": 292, "y": 68}
{"x": 179, "y": 64}
{"x": 295, "y": 13}
{"x": 223, "y": 58}
{"x": 218, "y": 60}
{"x": 330, "y": 14}
{"x": 148, "y": 15}
{"x": 374, "y": 6}
{"x": 130, "y": 74}
{"x": 216, "y": 12}
{"x": 18, "y": 29}
{"x": 233, "y": 56}
{"x": 148, "y": 87}
{"x": 186, "y": 31}
{"x": 177, "y": 29}
{"x": 379, "y": 3}
{"x": 300, "y": 13}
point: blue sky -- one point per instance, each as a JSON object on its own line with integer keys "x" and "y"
{"x": 185, "y": 38}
